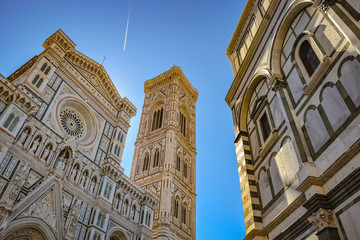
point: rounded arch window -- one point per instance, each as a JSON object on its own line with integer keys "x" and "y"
{"x": 308, "y": 57}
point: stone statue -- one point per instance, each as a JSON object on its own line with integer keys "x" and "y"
{"x": 61, "y": 164}
{"x": 46, "y": 153}
{"x": 124, "y": 208}
{"x": 132, "y": 213}
{"x": 35, "y": 145}
{"x": 83, "y": 180}
{"x": 24, "y": 136}
{"x": 74, "y": 173}
{"x": 92, "y": 185}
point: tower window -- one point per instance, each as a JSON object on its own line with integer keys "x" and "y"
{"x": 185, "y": 170}
{"x": 182, "y": 124}
{"x": 178, "y": 162}
{"x": 183, "y": 215}
{"x": 146, "y": 163}
{"x": 309, "y": 57}
{"x": 157, "y": 119}
{"x": 118, "y": 151}
{"x": 176, "y": 208}
{"x": 156, "y": 159}
{"x": 115, "y": 150}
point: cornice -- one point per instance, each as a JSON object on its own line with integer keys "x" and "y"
{"x": 174, "y": 73}
{"x": 253, "y": 47}
{"x": 22, "y": 69}
{"x": 61, "y": 39}
{"x": 239, "y": 27}
{"x": 76, "y": 58}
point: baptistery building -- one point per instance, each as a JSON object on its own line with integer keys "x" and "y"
{"x": 63, "y": 127}
{"x": 295, "y": 100}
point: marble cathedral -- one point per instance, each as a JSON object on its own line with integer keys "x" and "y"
{"x": 63, "y": 127}
{"x": 295, "y": 100}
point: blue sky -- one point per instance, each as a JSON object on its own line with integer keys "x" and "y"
{"x": 191, "y": 34}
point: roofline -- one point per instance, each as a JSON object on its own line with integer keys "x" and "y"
{"x": 239, "y": 26}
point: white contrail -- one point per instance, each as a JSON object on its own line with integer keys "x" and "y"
{"x": 127, "y": 25}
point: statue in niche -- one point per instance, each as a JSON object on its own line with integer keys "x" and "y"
{"x": 75, "y": 172}
{"x": 92, "y": 185}
{"x": 35, "y": 144}
{"x": 24, "y": 135}
{"x": 62, "y": 159}
{"x": 117, "y": 201}
{"x": 84, "y": 179}
{"x": 61, "y": 163}
{"x": 132, "y": 213}
{"x": 125, "y": 207}
{"x": 46, "y": 152}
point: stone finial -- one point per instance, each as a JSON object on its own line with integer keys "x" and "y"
{"x": 322, "y": 219}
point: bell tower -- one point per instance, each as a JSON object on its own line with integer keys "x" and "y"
{"x": 165, "y": 153}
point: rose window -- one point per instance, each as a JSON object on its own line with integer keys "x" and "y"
{"x": 72, "y": 123}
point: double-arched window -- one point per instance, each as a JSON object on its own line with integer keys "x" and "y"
{"x": 45, "y": 68}
{"x": 11, "y": 122}
{"x": 37, "y": 81}
{"x": 157, "y": 119}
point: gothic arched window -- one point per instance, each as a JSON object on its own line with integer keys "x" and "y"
{"x": 185, "y": 170}
{"x": 146, "y": 163}
{"x": 157, "y": 119}
{"x": 156, "y": 158}
{"x": 47, "y": 70}
{"x": 11, "y": 122}
{"x": 178, "y": 162}
{"x": 309, "y": 57}
{"x": 43, "y": 67}
{"x": 183, "y": 124}
{"x": 176, "y": 208}
{"x": 37, "y": 81}
{"x": 183, "y": 214}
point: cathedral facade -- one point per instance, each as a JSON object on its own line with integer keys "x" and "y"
{"x": 295, "y": 100}
{"x": 63, "y": 127}
{"x": 165, "y": 153}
